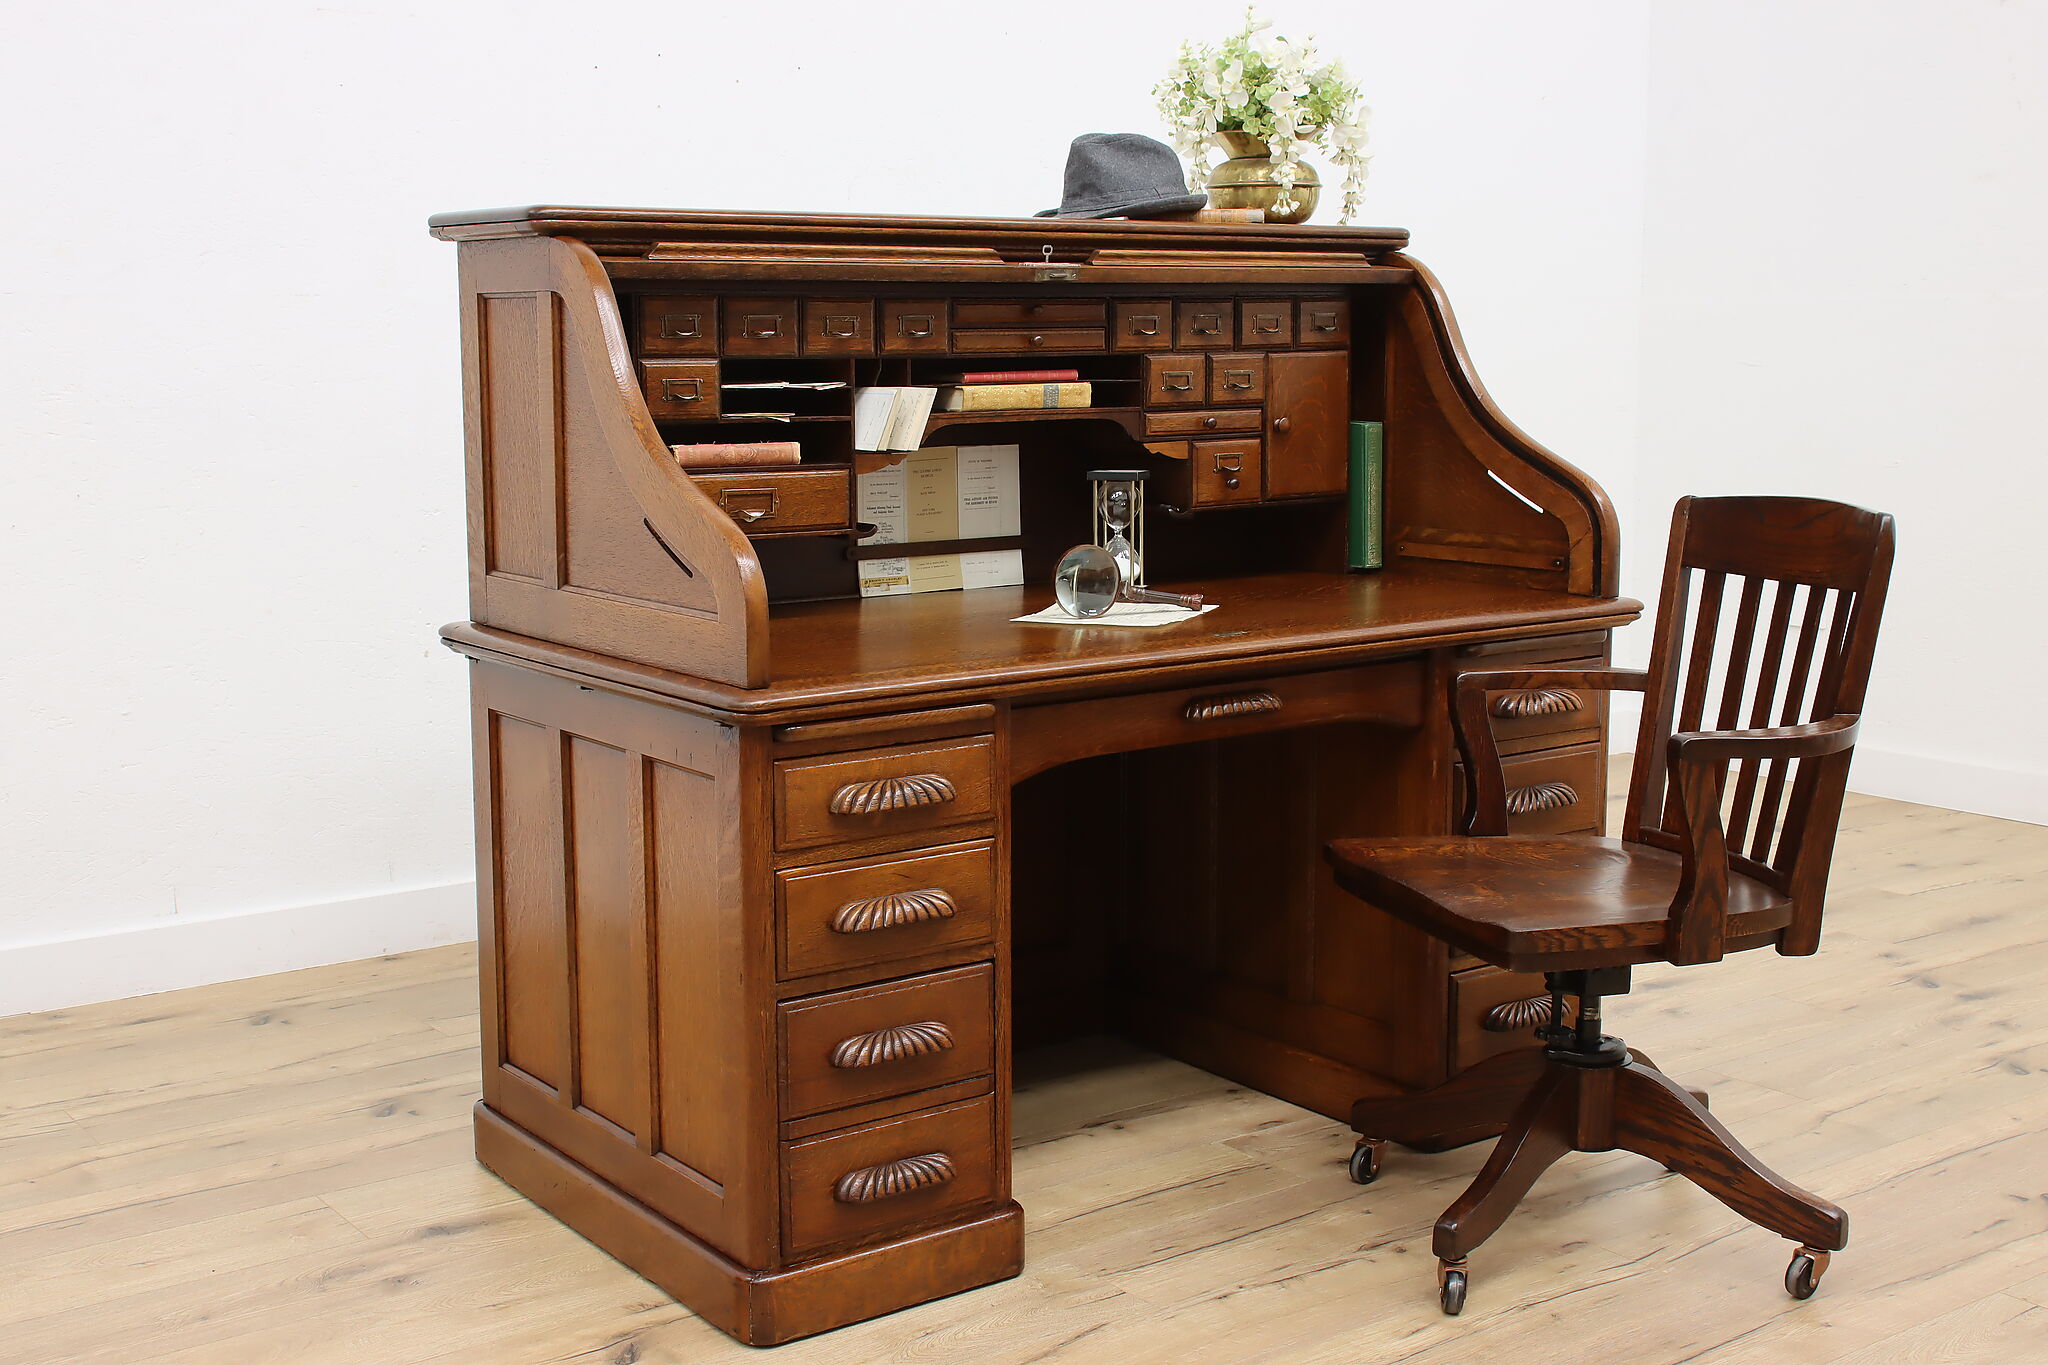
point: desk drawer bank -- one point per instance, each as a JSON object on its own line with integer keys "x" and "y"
{"x": 774, "y": 881}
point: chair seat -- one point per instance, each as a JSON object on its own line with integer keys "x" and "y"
{"x": 1543, "y": 905}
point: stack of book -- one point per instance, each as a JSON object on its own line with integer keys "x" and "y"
{"x": 993, "y": 390}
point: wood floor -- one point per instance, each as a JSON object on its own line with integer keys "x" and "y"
{"x": 279, "y": 1170}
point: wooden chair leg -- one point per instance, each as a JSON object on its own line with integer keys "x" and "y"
{"x": 1657, "y": 1118}
{"x": 1540, "y": 1132}
{"x": 1642, "y": 1058}
{"x": 1474, "y": 1104}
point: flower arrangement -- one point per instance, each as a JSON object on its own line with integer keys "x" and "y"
{"x": 1269, "y": 87}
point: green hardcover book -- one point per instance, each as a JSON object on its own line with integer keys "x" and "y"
{"x": 1368, "y": 493}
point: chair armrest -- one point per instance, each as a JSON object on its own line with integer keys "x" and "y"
{"x": 1698, "y": 919}
{"x": 1486, "y": 804}
{"x": 1815, "y": 739}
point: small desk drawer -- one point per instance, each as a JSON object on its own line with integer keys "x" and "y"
{"x": 913, "y": 326}
{"x": 887, "y": 791}
{"x": 1060, "y": 732}
{"x": 1237, "y": 377}
{"x": 1031, "y": 313}
{"x": 765, "y": 501}
{"x": 1205, "y": 324}
{"x": 1143, "y": 326}
{"x": 1201, "y": 423}
{"x": 1324, "y": 322}
{"x": 839, "y": 327}
{"x": 760, "y": 326}
{"x": 679, "y": 326}
{"x": 872, "y": 1183}
{"x": 884, "y": 909}
{"x": 1265, "y": 322}
{"x": 891, "y": 1039}
{"x": 680, "y": 388}
{"x": 1023, "y": 340}
{"x": 1174, "y": 381}
{"x": 1494, "y": 1011}
{"x": 1525, "y": 719}
{"x": 1224, "y": 472}
{"x": 1553, "y": 791}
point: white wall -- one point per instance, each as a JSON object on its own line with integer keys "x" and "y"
{"x": 1844, "y": 294}
{"x": 232, "y": 454}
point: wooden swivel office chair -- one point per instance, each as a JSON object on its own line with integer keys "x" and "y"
{"x": 1702, "y": 869}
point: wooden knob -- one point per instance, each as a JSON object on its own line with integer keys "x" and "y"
{"x": 1208, "y": 421}
{"x": 1280, "y": 424}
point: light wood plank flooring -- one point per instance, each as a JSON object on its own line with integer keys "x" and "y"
{"x": 279, "y": 1170}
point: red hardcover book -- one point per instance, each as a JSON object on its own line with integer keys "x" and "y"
{"x": 1016, "y": 377}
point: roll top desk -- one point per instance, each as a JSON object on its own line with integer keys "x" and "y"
{"x": 774, "y": 879}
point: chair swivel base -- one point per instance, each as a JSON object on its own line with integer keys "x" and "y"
{"x": 1582, "y": 1095}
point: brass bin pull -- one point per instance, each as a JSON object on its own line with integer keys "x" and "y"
{"x": 894, "y": 1178}
{"x": 730, "y": 498}
{"x": 682, "y": 390}
{"x": 761, "y": 325}
{"x": 1231, "y": 706}
{"x": 892, "y": 793}
{"x": 893, "y": 1044}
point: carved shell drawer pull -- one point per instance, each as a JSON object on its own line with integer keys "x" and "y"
{"x": 1231, "y": 706}
{"x": 892, "y": 793}
{"x": 893, "y": 1044}
{"x": 891, "y": 910}
{"x": 1513, "y": 1016}
{"x": 1539, "y": 701}
{"x": 1541, "y": 796}
{"x": 894, "y": 1178}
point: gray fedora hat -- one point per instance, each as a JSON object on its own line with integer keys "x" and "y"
{"x": 1123, "y": 175}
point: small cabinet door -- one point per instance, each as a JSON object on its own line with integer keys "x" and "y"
{"x": 1307, "y": 408}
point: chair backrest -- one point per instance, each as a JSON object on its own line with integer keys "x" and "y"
{"x": 1768, "y": 616}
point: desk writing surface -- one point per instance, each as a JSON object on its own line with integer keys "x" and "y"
{"x": 921, "y": 647}
{"x": 945, "y": 641}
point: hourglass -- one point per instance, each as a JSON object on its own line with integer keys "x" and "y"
{"x": 1092, "y": 578}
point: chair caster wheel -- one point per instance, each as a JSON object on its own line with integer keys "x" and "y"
{"x": 1365, "y": 1161}
{"x": 1451, "y": 1287}
{"x": 1802, "y": 1277}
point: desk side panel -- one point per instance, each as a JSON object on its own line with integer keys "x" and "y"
{"x": 582, "y": 529}
{"x": 1467, "y": 490}
{"x": 622, "y": 951}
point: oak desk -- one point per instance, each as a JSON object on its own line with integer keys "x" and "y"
{"x": 773, "y": 879}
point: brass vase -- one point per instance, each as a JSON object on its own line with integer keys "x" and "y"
{"x": 1246, "y": 180}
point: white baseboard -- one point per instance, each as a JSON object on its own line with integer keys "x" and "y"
{"x": 2007, "y": 793}
{"x": 61, "y": 973}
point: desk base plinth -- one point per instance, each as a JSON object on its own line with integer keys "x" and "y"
{"x": 757, "y": 1307}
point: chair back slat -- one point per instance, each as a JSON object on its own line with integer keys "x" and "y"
{"x": 1792, "y": 712}
{"x": 1727, "y": 662}
{"x": 1763, "y": 696}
